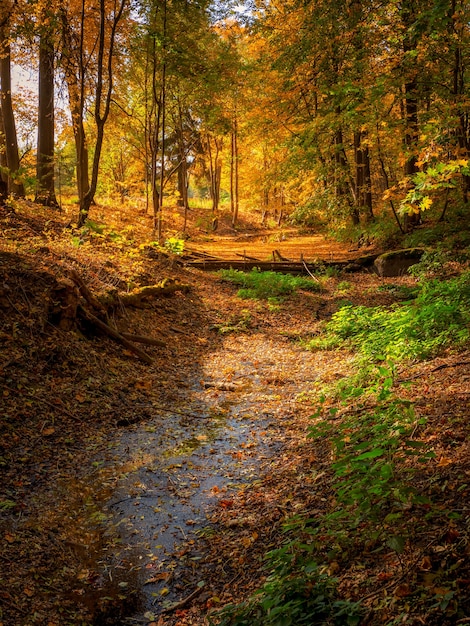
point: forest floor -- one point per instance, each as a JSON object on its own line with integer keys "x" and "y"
{"x": 74, "y": 405}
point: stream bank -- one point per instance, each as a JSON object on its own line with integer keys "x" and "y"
{"x": 86, "y": 426}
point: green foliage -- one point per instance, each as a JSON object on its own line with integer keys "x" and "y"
{"x": 258, "y": 285}
{"x": 175, "y": 245}
{"x": 435, "y": 178}
{"x": 401, "y": 292}
{"x": 97, "y": 231}
{"x": 297, "y": 592}
{"x": 366, "y": 452}
{"x": 437, "y": 318}
{"x": 236, "y": 324}
{"x": 343, "y": 287}
{"x": 7, "y": 504}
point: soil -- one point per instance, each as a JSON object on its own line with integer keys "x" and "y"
{"x": 135, "y": 493}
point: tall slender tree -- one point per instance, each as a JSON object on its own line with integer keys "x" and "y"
{"x": 45, "y": 191}
{"x": 108, "y": 23}
{"x": 15, "y": 184}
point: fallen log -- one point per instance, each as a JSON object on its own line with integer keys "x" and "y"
{"x": 139, "y": 297}
{"x": 249, "y": 258}
{"x": 199, "y": 254}
{"x": 283, "y": 266}
{"x": 114, "y": 334}
{"x": 294, "y": 267}
{"x": 86, "y": 293}
{"x": 149, "y": 341}
{"x": 277, "y": 256}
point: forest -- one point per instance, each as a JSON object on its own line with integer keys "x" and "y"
{"x": 234, "y": 312}
{"x": 345, "y": 114}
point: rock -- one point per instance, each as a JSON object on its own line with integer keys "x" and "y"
{"x": 397, "y": 262}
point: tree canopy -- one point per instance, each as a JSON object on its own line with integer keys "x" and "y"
{"x": 345, "y": 113}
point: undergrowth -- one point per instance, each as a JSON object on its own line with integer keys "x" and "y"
{"x": 418, "y": 329}
{"x": 377, "y": 451}
{"x": 271, "y": 286}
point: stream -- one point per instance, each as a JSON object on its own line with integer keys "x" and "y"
{"x": 175, "y": 469}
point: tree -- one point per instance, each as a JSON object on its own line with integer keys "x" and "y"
{"x": 108, "y": 22}
{"x": 74, "y": 64}
{"x": 45, "y": 192}
{"x": 15, "y": 185}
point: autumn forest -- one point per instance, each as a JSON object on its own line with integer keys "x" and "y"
{"x": 234, "y": 312}
{"x": 342, "y": 112}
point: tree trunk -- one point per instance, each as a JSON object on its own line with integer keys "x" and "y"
{"x": 215, "y": 170}
{"x": 15, "y": 186}
{"x": 3, "y": 164}
{"x": 235, "y": 173}
{"x": 363, "y": 178}
{"x": 74, "y": 70}
{"x": 456, "y": 36}
{"x": 341, "y": 174}
{"x": 104, "y": 82}
{"x": 182, "y": 168}
{"x": 45, "y": 192}
{"x": 410, "y": 104}
{"x": 411, "y": 135}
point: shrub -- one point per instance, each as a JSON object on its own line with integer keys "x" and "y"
{"x": 418, "y": 329}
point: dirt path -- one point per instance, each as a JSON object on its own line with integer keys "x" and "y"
{"x": 287, "y": 242}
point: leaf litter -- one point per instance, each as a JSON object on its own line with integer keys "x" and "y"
{"x": 151, "y": 494}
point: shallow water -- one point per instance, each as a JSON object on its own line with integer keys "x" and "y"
{"x": 177, "y": 468}
{"x": 159, "y": 481}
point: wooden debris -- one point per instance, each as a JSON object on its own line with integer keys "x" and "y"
{"x": 280, "y": 264}
{"x": 277, "y": 256}
{"x": 114, "y": 334}
{"x": 140, "y": 298}
{"x": 63, "y": 303}
{"x": 71, "y": 299}
{"x": 249, "y": 258}
{"x": 149, "y": 341}
{"x": 86, "y": 293}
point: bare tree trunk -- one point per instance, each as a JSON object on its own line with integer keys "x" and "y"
{"x": 162, "y": 153}
{"x": 232, "y": 174}
{"x": 456, "y": 36}
{"x": 3, "y": 164}
{"x": 235, "y": 173}
{"x": 341, "y": 173}
{"x": 153, "y": 123}
{"x": 101, "y": 116}
{"x": 74, "y": 70}
{"x": 410, "y": 104}
{"x": 45, "y": 192}
{"x": 15, "y": 186}
{"x": 363, "y": 179}
{"x": 182, "y": 168}
{"x": 215, "y": 170}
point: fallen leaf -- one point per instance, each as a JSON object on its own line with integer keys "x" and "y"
{"x": 426, "y": 563}
{"x": 444, "y": 462}
{"x": 226, "y": 504}
{"x": 402, "y": 591}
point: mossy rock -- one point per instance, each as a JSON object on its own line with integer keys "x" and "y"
{"x": 397, "y": 262}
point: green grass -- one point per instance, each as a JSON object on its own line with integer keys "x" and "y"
{"x": 271, "y": 286}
